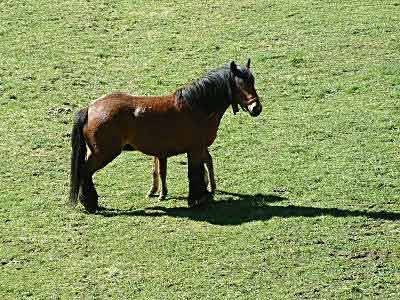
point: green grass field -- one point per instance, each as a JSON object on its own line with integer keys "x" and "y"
{"x": 308, "y": 192}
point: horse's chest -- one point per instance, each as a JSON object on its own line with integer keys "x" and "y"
{"x": 212, "y": 127}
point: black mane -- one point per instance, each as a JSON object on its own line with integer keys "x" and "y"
{"x": 211, "y": 93}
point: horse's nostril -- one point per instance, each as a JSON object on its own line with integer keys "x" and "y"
{"x": 256, "y": 110}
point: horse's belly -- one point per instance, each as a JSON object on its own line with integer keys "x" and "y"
{"x": 167, "y": 140}
{"x": 172, "y": 133}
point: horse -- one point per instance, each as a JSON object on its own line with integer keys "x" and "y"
{"x": 160, "y": 171}
{"x": 185, "y": 121}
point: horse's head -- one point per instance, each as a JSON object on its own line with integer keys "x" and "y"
{"x": 243, "y": 91}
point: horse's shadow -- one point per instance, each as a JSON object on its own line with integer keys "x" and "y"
{"x": 237, "y": 208}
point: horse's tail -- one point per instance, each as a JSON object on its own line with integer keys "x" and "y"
{"x": 78, "y": 155}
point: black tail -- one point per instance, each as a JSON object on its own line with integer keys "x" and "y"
{"x": 78, "y": 154}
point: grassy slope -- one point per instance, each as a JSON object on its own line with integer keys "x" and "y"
{"x": 306, "y": 183}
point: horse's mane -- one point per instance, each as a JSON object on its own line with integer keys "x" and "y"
{"x": 211, "y": 93}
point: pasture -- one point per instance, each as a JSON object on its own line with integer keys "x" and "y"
{"x": 308, "y": 192}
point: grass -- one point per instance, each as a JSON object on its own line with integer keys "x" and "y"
{"x": 308, "y": 201}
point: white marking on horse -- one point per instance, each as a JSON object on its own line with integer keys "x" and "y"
{"x": 252, "y": 106}
{"x": 139, "y": 111}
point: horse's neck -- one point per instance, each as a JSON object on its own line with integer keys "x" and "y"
{"x": 215, "y": 118}
{"x": 217, "y": 115}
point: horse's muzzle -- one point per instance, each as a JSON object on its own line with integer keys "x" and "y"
{"x": 255, "y": 108}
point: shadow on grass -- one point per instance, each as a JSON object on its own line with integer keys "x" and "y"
{"x": 241, "y": 208}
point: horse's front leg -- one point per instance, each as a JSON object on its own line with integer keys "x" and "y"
{"x": 154, "y": 185}
{"x": 198, "y": 193}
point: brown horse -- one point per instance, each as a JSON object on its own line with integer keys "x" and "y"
{"x": 183, "y": 122}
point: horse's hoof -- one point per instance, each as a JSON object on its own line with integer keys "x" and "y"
{"x": 90, "y": 203}
{"x": 152, "y": 194}
{"x": 191, "y": 203}
{"x": 200, "y": 202}
{"x": 162, "y": 197}
{"x": 206, "y": 198}
{"x": 91, "y": 209}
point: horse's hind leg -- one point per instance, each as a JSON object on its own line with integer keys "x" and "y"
{"x": 89, "y": 196}
{"x": 163, "y": 176}
{"x": 159, "y": 171}
{"x": 210, "y": 168}
{"x": 154, "y": 185}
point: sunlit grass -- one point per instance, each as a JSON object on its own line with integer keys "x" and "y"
{"x": 308, "y": 192}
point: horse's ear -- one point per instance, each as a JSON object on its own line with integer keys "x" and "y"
{"x": 248, "y": 64}
{"x": 234, "y": 68}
